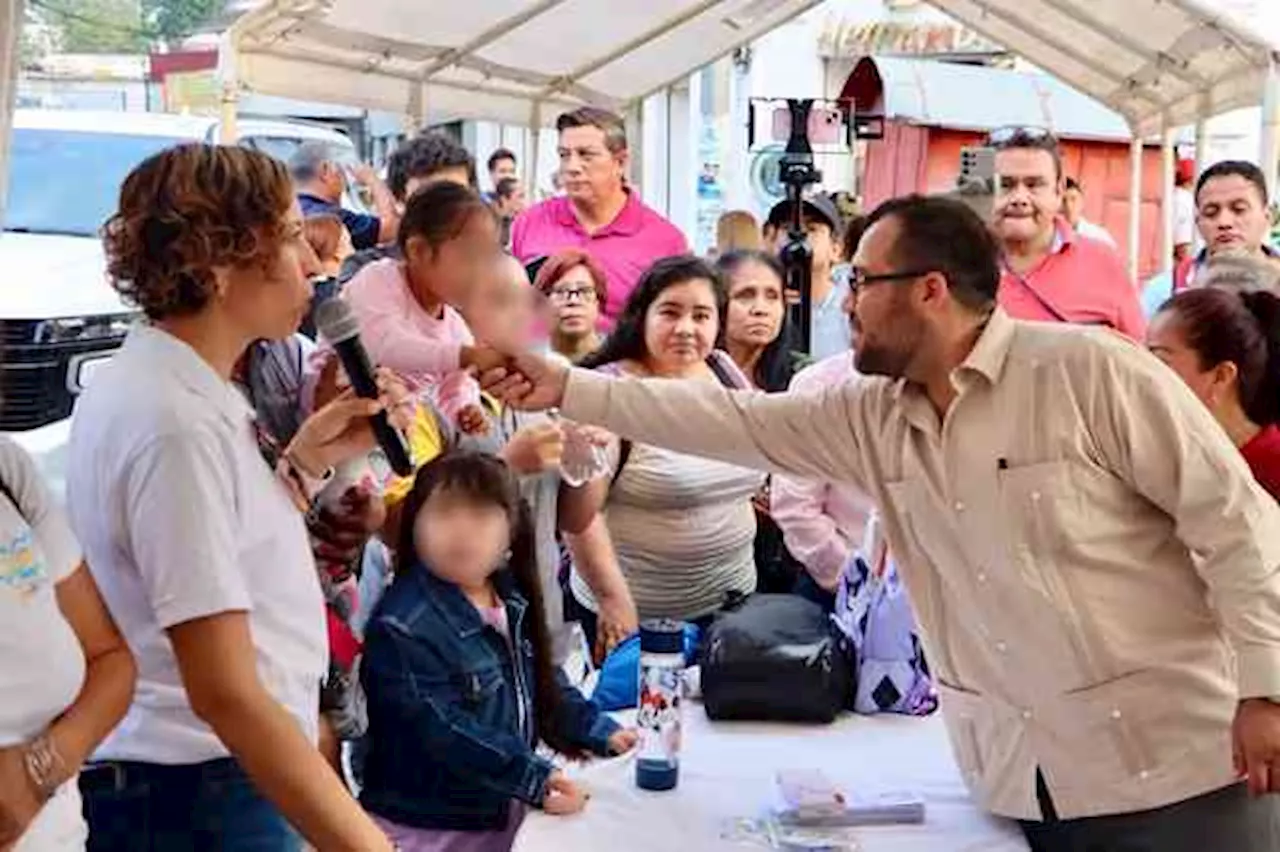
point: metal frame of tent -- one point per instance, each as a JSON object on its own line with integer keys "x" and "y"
{"x": 1159, "y": 63}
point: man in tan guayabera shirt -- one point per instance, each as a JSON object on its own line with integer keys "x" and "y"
{"x": 1096, "y": 574}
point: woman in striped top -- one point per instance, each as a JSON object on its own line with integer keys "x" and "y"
{"x": 682, "y": 526}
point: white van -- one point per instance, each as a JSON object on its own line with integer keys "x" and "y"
{"x": 59, "y": 318}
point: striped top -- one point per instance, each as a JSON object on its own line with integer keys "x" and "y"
{"x": 683, "y": 528}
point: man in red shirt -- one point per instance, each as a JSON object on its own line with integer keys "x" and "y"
{"x": 1048, "y": 272}
{"x": 598, "y": 213}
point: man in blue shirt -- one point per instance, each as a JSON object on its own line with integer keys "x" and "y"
{"x": 320, "y": 184}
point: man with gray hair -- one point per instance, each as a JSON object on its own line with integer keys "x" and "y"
{"x": 320, "y": 182}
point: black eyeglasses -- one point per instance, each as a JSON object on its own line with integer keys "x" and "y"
{"x": 859, "y": 278}
{"x": 1018, "y": 136}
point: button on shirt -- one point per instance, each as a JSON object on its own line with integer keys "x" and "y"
{"x": 1080, "y": 281}
{"x": 625, "y": 247}
{"x": 181, "y": 518}
{"x": 1048, "y": 554}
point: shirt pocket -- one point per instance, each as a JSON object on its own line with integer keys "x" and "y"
{"x": 1120, "y": 717}
{"x": 1040, "y": 515}
{"x": 971, "y": 721}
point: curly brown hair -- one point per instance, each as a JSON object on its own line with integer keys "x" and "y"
{"x": 187, "y": 211}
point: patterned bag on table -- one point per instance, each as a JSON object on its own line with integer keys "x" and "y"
{"x": 874, "y": 611}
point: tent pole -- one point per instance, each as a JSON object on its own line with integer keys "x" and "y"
{"x": 533, "y": 155}
{"x": 1167, "y": 164}
{"x": 229, "y": 87}
{"x": 1270, "y": 137}
{"x": 11, "y": 17}
{"x": 1135, "y": 203}
{"x": 415, "y": 112}
{"x": 1202, "y": 143}
{"x": 1202, "y": 132}
{"x": 633, "y": 118}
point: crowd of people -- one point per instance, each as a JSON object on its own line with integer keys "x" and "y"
{"x": 248, "y": 633}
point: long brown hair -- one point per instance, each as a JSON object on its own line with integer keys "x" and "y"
{"x": 488, "y": 481}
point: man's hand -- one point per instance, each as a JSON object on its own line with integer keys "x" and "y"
{"x": 1255, "y": 738}
{"x": 19, "y": 802}
{"x": 535, "y": 449}
{"x": 527, "y": 381}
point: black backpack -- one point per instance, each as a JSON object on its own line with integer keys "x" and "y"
{"x": 776, "y": 658}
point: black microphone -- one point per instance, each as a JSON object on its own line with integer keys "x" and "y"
{"x": 339, "y": 326}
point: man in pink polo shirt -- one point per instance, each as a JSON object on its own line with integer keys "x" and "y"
{"x": 598, "y": 212}
{"x": 1049, "y": 272}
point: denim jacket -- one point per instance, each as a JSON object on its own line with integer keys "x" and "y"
{"x": 452, "y": 734}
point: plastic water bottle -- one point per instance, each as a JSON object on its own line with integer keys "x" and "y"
{"x": 658, "y": 719}
{"x": 582, "y": 460}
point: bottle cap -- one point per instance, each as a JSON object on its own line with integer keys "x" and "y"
{"x": 662, "y": 636}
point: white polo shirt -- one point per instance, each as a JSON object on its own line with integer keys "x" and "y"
{"x": 181, "y": 518}
{"x": 42, "y": 666}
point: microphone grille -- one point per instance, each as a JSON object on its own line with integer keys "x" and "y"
{"x": 336, "y": 321}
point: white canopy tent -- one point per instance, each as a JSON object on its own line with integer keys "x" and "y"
{"x": 1159, "y": 63}
{"x": 512, "y": 61}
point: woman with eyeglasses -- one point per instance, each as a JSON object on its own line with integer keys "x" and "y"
{"x": 574, "y": 286}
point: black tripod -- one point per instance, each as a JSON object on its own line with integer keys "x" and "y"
{"x": 796, "y": 171}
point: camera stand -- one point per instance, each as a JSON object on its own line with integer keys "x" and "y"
{"x": 796, "y": 171}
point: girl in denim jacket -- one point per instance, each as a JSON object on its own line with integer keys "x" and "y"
{"x": 458, "y": 672}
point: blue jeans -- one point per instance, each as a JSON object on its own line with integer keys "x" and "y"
{"x": 200, "y": 807}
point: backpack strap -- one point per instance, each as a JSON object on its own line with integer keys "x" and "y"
{"x": 726, "y": 373}
{"x": 624, "y": 453}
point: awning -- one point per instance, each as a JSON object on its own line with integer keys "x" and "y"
{"x": 513, "y": 61}
{"x": 1152, "y": 61}
{"x": 921, "y": 91}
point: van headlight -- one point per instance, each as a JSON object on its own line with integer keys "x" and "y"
{"x": 83, "y": 329}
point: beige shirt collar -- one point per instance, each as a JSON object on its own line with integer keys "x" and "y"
{"x": 987, "y": 360}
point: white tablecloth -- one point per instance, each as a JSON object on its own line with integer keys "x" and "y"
{"x": 728, "y": 771}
